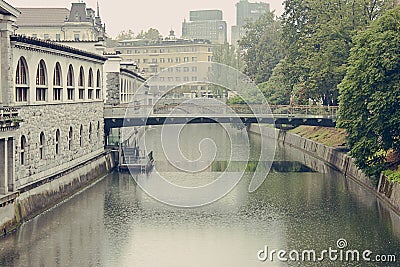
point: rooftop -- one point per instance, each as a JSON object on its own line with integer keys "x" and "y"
{"x": 56, "y": 46}
{"x": 42, "y": 16}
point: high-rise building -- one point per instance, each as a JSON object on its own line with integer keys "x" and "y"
{"x": 206, "y": 25}
{"x": 247, "y": 12}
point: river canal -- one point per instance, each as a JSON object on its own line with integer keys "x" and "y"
{"x": 114, "y": 223}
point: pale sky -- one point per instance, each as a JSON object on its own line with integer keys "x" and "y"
{"x": 142, "y": 14}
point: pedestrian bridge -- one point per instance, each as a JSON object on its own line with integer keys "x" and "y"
{"x": 128, "y": 115}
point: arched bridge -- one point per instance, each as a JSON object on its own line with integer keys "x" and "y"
{"x": 117, "y": 116}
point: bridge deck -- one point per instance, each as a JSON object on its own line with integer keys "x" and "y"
{"x": 117, "y": 116}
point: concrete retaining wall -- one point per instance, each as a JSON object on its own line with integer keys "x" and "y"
{"x": 37, "y": 200}
{"x": 337, "y": 160}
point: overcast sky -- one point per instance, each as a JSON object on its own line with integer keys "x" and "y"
{"x": 142, "y": 14}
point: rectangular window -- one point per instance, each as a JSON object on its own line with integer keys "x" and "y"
{"x": 34, "y": 35}
{"x": 186, "y": 69}
{"x": 46, "y": 37}
{"x": 90, "y": 94}
{"x": 162, "y": 60}
{"x": 77, "y": 36}
{"x": 194, "y": 59}
{"x": 145, "y": 60}
{"x": 194, "y": 69}
{"x": 58, "y": 37}
{"x": 41, "y": 94}
{"x": 194, "y": 78}
{"x": 70, "y": 93}
{"x": 81, "y": 94}
{"x": 185, "y": 59}
{"x": 210, "y": 58}
{"x": 98, "y": 94}
{"x": 178, "y": 60}
{"x": 178, "y": 79}
{"x": 57, "y": 92}
{"x": 186, "y": 79}
{"x": 178, "y": 69}
{"x": 22, "y": 94}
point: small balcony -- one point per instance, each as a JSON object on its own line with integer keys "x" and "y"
{"x": 9, "y": 119}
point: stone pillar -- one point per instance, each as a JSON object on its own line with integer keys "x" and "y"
{"x": 4, "y": 167}
{"x": 6, "y": 71}
{"x": 11, "y": 165}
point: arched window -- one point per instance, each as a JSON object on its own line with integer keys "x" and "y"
{"x": 98, "y": 85}
{"x": 21, "y": 81}
{"x": 70, "y": 83}
{"x": 23, "y": 150}
{"x": 42, "y": 145}
{"x": 81, "y": 83}
{"x": 90, "y": 133}
{"x": 81, "y": 136}
{"x": 90, "y": 84}
{"x": 57, "y": 83}
{"x": 70, "y": 138}
{"x": 57, "y": 142}
{"x": 41, "y": 81}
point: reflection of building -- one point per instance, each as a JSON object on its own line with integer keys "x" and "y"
{"x": 246, "y": 12}
{"x": 79, "y": 23}
{"x": 154, "y": 57}
{"x": 205, "y": 24}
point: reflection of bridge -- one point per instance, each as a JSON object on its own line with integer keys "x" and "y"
{"x": 117, "y": 116}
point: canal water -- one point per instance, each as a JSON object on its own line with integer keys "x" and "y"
{"x": 297, "y": 208}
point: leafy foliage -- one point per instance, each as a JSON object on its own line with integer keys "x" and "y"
{"x": 125, "y": 35}
{"x": 150, "y": 34}
{"x": 318, "y": 37}
{"x": 227, "y": 55}
{"x": 276, "y": 90}
{"x": 261, "y": 47}
{"x": 393, "y": 176}
{"x": 370, "y": 93}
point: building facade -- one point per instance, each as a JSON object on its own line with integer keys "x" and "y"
{"x": 60, "y": 24}
{"x": 155, "y": 57}
{"x": 246, "y": 12}
{"x": 206, "y": 25}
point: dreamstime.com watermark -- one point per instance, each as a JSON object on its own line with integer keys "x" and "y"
{"x": 340, "y": 253}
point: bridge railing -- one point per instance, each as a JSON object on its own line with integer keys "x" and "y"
{"x": 120, "y": 111}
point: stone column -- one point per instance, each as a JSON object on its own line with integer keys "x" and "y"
{"x": 11, "y": 165}
{"x": 4, "y": 167}
{"x": 7, "y": 27}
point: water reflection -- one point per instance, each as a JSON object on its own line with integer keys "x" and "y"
{"x": 114, "y": 223}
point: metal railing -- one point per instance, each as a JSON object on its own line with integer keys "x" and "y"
{"x": 192, "y": 109}
{"x": 9, "y": 119}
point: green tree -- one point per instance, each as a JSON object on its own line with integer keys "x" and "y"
{"x": 276, "y": 90}
{"x": 261, "y": 47}
{"x": 318, "y": 36}
{"x": 150, "y": 34}
{"x": 227, "y": 55}
{"x": 125, "y": 35}
{"x": 370, "y": 93}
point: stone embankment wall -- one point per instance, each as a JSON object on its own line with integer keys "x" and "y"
{"x": 389, "y": 193}
{"x": 26, "y": 205}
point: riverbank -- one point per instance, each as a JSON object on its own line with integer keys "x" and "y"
{"x": 337, "y": 159}
{"x": 22, "y": 206}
